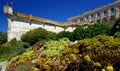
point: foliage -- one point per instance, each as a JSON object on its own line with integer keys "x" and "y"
{"x": 63, "y": 34}
{"x": 26, "y": 44}
{"x": 116, "y": 27}
{"x": 117, "y": 34}
{"x": 34, "y": 35}
{"x": 10, "y": 49}
{"x": 97, "y": 29}
{"x": 78, "y": 33}
{"x": 52, "y": 48}
{"x": 21, "y": 57}
{"x": 3, "y": 38}
{"x": 101, "y": 53}
{"x": 4, "y": 52}
{"x": 23, "y": 67}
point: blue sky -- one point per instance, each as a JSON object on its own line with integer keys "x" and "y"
{"x": 59, "y": 10}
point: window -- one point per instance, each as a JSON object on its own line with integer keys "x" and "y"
{"x": 81, "y": 19}
{"x": 87, "y": 18}
{"x": 119, "y": 8}
{"x": 98, "y": 14}
{"x": 105, "y": 12}
{"x": 112, "y": 17}
{"x": 75, "y": 21}
{"x": 92, "y": 17}
{"x": 112, "y": 10}
{"x": 105, "y": 18}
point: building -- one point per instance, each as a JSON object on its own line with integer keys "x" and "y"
{"x": 19, "y": 23}
{"x": 106, "y": 13}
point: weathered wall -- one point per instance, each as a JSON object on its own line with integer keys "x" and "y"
{"x": 18, "y": 26}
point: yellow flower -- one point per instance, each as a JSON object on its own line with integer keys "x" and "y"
{"x": 97, "y": 64}
{"x": 73, "y": 57}
{"x": 109, "y": 68}
{"x": 35, "y": 69}
{"x": 87, "y": 58}
{"x": 103, "y": 70}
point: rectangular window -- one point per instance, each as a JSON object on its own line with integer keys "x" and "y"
{"x": 105, "y": 18}
{"x": 105, "y": 12}
{"x": 81, "y": 19}
{"x": 74, "y": 21}
{"x": 98, "y": 14}
{"x": 112, "y": 17}
{"x": 112, "y": 10}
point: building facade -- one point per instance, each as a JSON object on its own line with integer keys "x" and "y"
{"x": 106, "y": 13}
{"x": 19, "y": 23}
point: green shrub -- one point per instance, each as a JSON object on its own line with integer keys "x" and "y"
{"x": 78, "y": 33}
{"x": 26, "y": 44}
{"x": 97, "y": 29}
{"x": 117, "y": 34}
{"x": 63, "y": 34}
{"x": 35, "y": 35}
{"x": 3, "y": 38}
{"x": 4, "y": 52}
{"x": 23, "y": 67}
{"x": 116, "y": 27}
{"x": 52, "y": 47}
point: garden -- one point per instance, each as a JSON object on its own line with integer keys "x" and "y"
{"x": 96, "y": 48}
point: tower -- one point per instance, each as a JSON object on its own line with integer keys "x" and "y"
{"x": 8, "y": 9}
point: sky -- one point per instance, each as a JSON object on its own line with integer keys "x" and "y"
{"x": 58, "y": 10}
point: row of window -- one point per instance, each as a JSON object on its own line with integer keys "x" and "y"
{"x": 98, "y": 14}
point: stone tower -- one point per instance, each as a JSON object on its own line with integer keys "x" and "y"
{"x": 8, "y": 9}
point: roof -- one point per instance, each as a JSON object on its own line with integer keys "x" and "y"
{"x": 47, "y": 21}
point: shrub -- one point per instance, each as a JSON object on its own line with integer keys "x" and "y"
{"x": 3, "y": 38}
{"x": 35, "y": 35}
{"x": 97, "y": 29}
{"x": 116, "y": 27}
{"x": 26, "y": 44}
{"x": 23, "y": 67}
{"x": 78, "y": 33}
{"x": 4, "y": 52}
{"x": 63, "y": 34}
{"x": 52, "y": 48}
{"x": 117, "y": 34}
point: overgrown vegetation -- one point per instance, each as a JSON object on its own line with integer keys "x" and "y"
{"x": 10, "y": 49}
{"x": 63, "y": 34}
{"x": 3, "y": 38}
{"x": 36, "y": 34}
{"x": 94, "y": 51}
{"x": 116, "y": 27}
{"x": 98, "y": 53}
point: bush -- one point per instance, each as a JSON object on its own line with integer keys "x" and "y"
{"x": 116, "y": 27}
{"x": 117, "y": 34}
{"x": 23, "y": 67}
{"x": 26, "y": 44}
{"x": 78, "y": 33}
{"x": 3, "y": 38}
{"x": 10, "y": 49}
{"x": 97, "y": 29}
{"x": 52, "y": 48}
{"x": 35, "y": 35}
{"x": 63, "y": 34}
